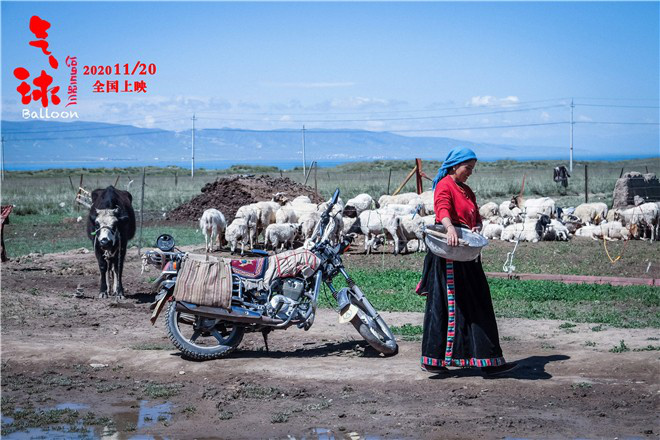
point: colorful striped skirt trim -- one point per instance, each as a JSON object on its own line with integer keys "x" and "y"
{"x": 472, "y": 362}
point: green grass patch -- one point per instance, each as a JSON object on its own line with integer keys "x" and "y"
{"x": 621, "y": 348}
{"x": 152, "y": 346}
{"x": 618, "y": 306}
{"x": 24, "y": 237}
{"x": 161, "y": 390}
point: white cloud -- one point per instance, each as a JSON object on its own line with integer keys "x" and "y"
{"x": 488, "y": 100}
{"x": 545, "y": 116}
{"x": 583, "y": 118}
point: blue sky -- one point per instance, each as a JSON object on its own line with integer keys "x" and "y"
{"x": 377, "y": 66}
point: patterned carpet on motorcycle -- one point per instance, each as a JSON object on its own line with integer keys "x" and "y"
{"x": 250, "y": 268}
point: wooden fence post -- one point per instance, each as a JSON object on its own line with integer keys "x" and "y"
{"x": 144, "y": 171}
{"x": 316, "y": 190}
{"x": 418, "y": 175}
{"x": 621, "y": 174}
{"x": 71, "y": 182}
{"x": 176, "y": 179}
{"x": 586, "y": 184}
{"x": 389, "y": 178}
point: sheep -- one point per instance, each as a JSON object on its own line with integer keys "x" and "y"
{"x": 429, "y": 220}
{"x": 251, "y": 216}
{"x": 308, "y": 223}
{"x": 535, "y": 208}
{"x": 372, "y": 224}
{"x": 334, "y": 230}
{"x": 397, "y": 199}
{"x": 301, "y": 200}
{"x": 398, "y": 209}
{"x": 492, "y": 231}
{"x": 531, "y": 230}
{"x": 357, "y": 204}
{"x": 489, "y": 210}
{"x": 587, "y": 231}
{"x": 336, "y": 209}
{"x": 511, "y": 212}
{"x": 556, "y": 231}
{"x": 238, "y": 230}
{"x": 411, "y": 227}
{"x": 286, "y": 214}
{"x": 645, "y": 217}
{"x": 213, "y": 226}
{"x": 281, "y": 235}
{"x": 428, "y": 200}
{"x": 591, "y": 213}
{"x": 612, "y": 231}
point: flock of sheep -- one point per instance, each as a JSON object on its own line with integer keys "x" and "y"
{"x": 403, "y": 218}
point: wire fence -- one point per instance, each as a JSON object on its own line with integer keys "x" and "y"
{"x": 166, "y": 189}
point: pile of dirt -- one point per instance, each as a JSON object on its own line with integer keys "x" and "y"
{"x": 227, "y": 194}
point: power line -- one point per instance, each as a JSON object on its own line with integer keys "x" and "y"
{"x": 409, "y": 118}
{"x": 617, "y": 106}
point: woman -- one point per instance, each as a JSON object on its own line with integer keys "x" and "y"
{"x": 459, "y": 323}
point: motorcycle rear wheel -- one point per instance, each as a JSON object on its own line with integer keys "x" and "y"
{"x": 201, "y": 338}
{"x": 374, "y": 330}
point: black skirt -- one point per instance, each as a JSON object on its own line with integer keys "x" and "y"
{"x": 459, "y": 324}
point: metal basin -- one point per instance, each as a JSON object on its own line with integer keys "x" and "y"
{"x": 469, "y": 248}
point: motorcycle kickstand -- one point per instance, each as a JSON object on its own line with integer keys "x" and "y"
{"x": 265, "y": 332}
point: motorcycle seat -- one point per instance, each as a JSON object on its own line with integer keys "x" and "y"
{"x": 251, "y": 269}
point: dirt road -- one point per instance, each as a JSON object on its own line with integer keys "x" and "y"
{"x": 95, "y": 368}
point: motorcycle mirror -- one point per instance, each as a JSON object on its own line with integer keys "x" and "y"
{"x": 335, "y": 196}
{"x": 165, "y": 243}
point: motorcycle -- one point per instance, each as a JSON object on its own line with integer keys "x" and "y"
{"x": 202, "y": 332}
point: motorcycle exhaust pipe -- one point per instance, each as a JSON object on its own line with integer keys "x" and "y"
{"x": 236, "y": 314}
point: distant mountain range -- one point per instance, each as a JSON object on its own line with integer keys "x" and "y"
{"x": 58, "y": 144}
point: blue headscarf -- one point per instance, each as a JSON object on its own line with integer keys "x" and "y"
{"x": 456, "y": 155}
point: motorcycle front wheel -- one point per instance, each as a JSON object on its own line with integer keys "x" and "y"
{"x": 372, "y": 327}
{"x": 201, "y": 338}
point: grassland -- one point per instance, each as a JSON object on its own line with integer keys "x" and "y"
{"x": 631, "y": 307}
{"x": 53, "y": 191}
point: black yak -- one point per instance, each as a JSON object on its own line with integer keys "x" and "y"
{"x": 111, "y": 223}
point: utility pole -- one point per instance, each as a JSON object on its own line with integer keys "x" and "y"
{"x": 2, "y": 159}
{"x": 303, "y": 142}
{"x": 192, "y": 165}
{"x": 570, "y": 165}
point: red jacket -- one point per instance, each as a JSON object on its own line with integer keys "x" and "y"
{"x": 456, "y": 202}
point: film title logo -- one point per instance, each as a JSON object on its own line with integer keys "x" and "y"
{"x": 42, "y": 89}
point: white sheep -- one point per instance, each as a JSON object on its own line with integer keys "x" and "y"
{"x": 213, "y": 226}
{"x": 281, "y": 235}
{"x": 645, "y": 217}
{"x": 401, "y": 199}
{"x": 429, "y": 201}
{"x": 286, "y": 214}
{"x": 513, "y": 213}
{"x": 397, "y": 209}
{"x": 373, "y": 223}
{"x": 591, "y": 213}
{"x": 412, "y": 228}
{"x": 524, "y": 231}
{"x": 238, "y": 230}
{"x": 355, "y": 206}
{"x": 587, "y": 231}
{"x": 535, "y": 208}
{"x": 488, "y": 210}
{"x": 491, "y": 230}
{"x": 612, "y": 231}
{"x": 308, "y": 223}
{"x": 250, "y": 214}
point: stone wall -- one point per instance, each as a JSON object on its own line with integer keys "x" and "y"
{"x": 635, "y": 188}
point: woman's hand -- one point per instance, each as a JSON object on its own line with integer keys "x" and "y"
{"x": 452, "y": 236}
